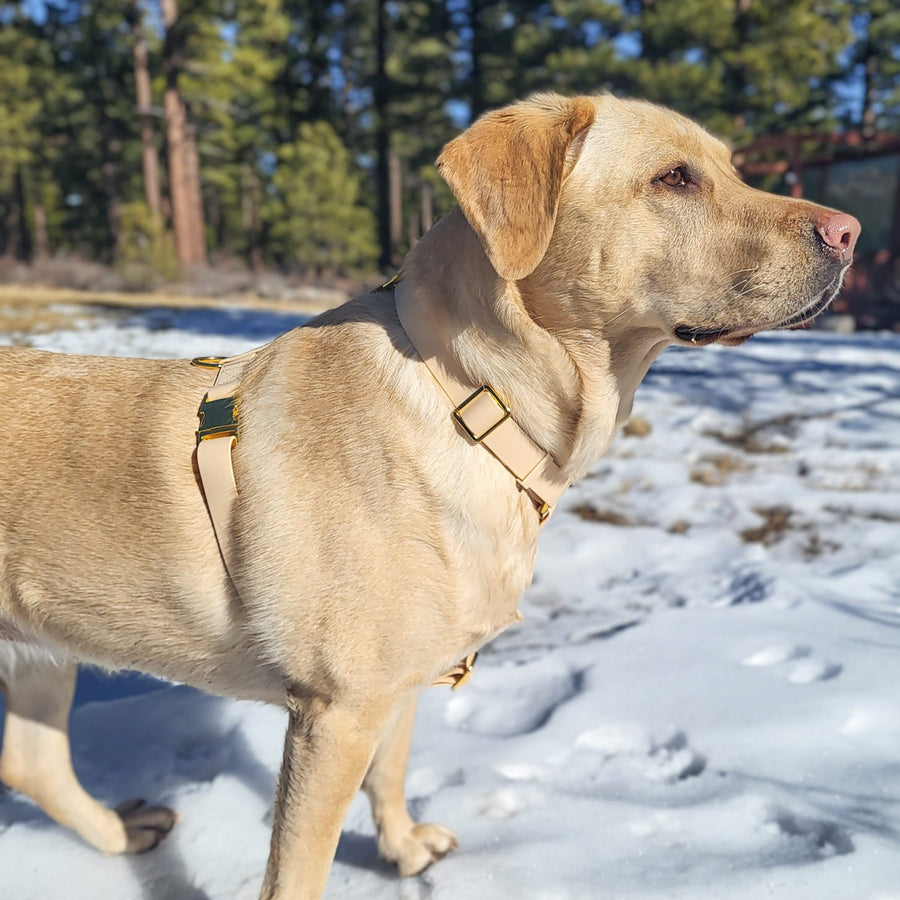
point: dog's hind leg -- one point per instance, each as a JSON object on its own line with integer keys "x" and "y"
{"x": 412, "y": 847}
{"x": 36, "y": 757}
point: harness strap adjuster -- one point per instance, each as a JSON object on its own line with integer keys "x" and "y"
{"x": 485, "y": 411}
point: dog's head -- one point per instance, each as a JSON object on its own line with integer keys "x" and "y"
{"x": 616, "y": 213}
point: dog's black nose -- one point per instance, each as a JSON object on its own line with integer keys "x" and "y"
{"x": 839, "y": 233}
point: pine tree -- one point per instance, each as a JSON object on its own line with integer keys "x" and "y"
{"x": 20, "y": 137}
{"x": 316, "y": 220}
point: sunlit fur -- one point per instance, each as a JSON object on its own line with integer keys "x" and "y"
{"x": 375, "y": 545}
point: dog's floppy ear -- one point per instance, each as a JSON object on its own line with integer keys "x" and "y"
{"x": 506, "y": 171}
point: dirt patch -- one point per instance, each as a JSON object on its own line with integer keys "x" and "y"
{"x": 776, "y": 521}
{"x": 590, "y": 513}
{"x": 758, "y": 437}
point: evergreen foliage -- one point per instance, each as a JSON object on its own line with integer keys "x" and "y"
{"x": 309, "y": 146}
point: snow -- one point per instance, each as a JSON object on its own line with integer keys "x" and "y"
{"x": 701, "y": 701}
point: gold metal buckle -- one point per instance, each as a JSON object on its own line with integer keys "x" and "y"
{"x": 459, "y": 674}
{"x": 468, "y": 666}
{"x": 484, "y": 389}
{"x": 208, "y": 362}
{"x": 218, "y": 418}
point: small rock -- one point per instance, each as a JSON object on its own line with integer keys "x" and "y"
{"x": 637, "y": 426}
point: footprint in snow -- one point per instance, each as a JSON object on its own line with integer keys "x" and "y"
{"x": 806, "y": 671}
{"x": 508, "y": 802}
{"x": 810, "y": 838}
{"x": 775, "y": 654}
{"x": 512, "y": 700}
{"x": 810, "y": 670}
{"x": 665, "y": 762}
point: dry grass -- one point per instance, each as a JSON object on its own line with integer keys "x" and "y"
{"x": 312, "y": 300}
{"x": 23, "y": 317}
{"x": 714, "y": 470}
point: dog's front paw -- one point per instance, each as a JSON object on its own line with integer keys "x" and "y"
{"x": 418, "y": 848}
{"x": 145, "y": 826}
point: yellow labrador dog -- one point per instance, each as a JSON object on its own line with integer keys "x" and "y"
{"x": 394, "y": 463}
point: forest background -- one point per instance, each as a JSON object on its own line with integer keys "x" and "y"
{"x": 163, "y": 136}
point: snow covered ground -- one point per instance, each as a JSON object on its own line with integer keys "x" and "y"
{"x": 702, "y": 702}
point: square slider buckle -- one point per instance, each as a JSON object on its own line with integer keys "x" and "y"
{"x": 481, "y": 413}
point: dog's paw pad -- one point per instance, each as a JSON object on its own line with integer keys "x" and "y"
{"x": 145, "y": 826}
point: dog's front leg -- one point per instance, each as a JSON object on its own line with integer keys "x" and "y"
{"x": 327, "y": 749}
{"x": 412, "y": 847}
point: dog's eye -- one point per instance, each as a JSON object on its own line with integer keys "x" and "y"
{"x": 677, "y": 177}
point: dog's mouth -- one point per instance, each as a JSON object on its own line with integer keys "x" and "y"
{"x": 732, "y": 336}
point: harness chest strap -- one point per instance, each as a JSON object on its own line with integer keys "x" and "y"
{"x": 216, "y": 436}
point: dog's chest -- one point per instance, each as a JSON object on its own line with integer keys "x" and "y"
{"x": 496, "y": 566}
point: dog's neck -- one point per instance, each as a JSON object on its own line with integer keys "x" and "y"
{"x": 567, "y": 392}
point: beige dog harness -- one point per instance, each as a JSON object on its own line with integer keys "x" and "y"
{"x": 482, "y": 415}
{"x": 216, "y": 436}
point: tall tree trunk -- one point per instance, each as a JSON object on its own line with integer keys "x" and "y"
{"x": 184, "y": 167}
{"x": 318, "y": 62}
{"x": 739, "y": 81}
{"x": 194, "y": 192}
{"x": 250, "y": 215}
{"x": 427, "y": 206}
{"x": 380, "y": 95}
{"x": 480, "y": 43}
{"x": 870, "y": 95}
{"x": 41, "y": 238}
{"x": 649, "y": 47}
{"x": 25, "y": 247}
{"x": 395, "y": 176}
{"x": 149, "y": 159}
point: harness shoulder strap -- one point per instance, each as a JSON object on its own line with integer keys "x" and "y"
{"x": 216, "y": 437}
